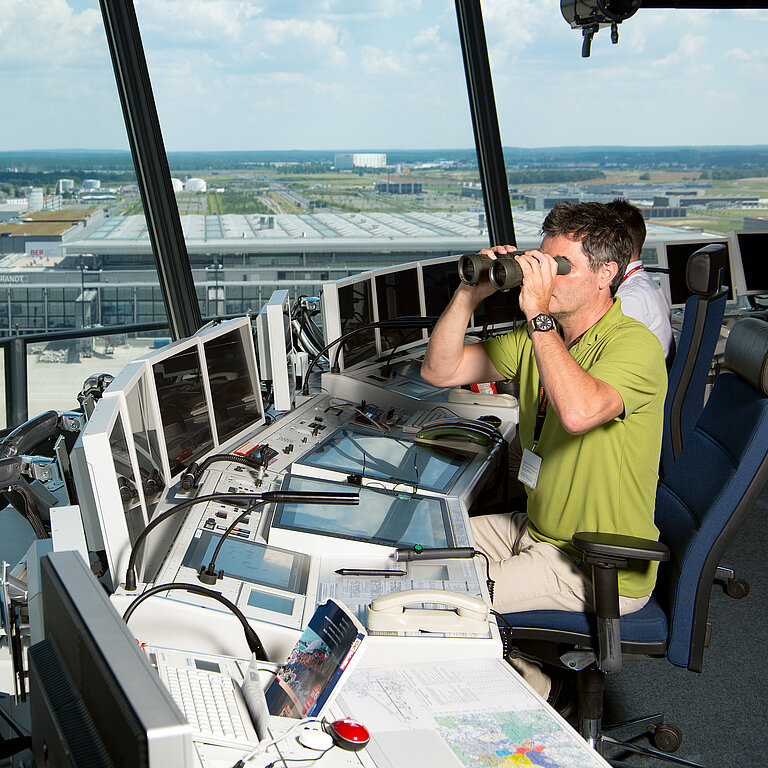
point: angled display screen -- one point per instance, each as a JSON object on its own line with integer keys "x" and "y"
{"x": 183, "y": 408}
{"x": 356, "y": 309}
{"x": 382, "y": 517}
{"x": 232, "y": 388}
{"x": 397, "y": 295}
{"x": 386, "y": 458}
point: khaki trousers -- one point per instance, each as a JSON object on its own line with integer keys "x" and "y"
{"x": 532, "y": 575}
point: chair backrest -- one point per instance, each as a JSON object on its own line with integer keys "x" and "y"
{"x": 704, "y": 498}
{"x": 702, "y": 318}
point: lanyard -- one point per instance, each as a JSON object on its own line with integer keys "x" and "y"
{"x": 541, "y": 411}
{"x": 632, "y": 271}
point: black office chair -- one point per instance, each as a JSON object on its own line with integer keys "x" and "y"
{"x": 688, "y": 374}
{"x": 700, "y": 504}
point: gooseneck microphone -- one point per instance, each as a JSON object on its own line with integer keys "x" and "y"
{"x": 503, "y": 272}
{"x": 417, "y": 552}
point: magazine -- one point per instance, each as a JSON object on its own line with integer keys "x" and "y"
{"x": 321, "y": 660}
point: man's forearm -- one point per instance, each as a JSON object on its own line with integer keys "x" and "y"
{"x": 580, "y": 400}
{"x": 448, "y": 362}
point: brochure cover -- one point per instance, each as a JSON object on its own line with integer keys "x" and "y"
{"x": 316, "y": 668}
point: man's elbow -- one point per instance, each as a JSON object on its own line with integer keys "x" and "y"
{"x": 431, "y": 376}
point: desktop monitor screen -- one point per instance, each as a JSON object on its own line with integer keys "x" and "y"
{"x": 440, "y": 283}
{"x": 234, "y": 401}
{"x": 382, "y": 517}
{"x": 753, "y": 250}
{"x": 356, "y": 309}
{"x": 397, "y": 295}
{"x": 183, "y": 408}
{"x": 383, "y": 457}
{"x": 126, "y": 480}
{"x": 676, "y": 260}
{"x": 95, "y": 699}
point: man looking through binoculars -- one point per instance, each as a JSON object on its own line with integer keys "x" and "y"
{"x": 592, "y": 387}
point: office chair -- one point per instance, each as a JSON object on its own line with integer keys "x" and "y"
{"x": 702, "y": 318}
{"x": 700, "y": 504}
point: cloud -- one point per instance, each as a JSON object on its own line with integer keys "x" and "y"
{"x": 38, "y": 34}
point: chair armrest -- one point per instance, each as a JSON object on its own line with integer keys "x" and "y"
{"x": 619, "y": 547}
{"x": 607, "y": 553}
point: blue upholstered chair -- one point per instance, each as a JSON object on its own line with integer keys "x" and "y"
{"x": 700, "y": 504}
{"x": 695, "y": 347}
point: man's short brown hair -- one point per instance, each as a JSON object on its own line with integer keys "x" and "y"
{"x": 600, "y": 230}
{"x": 633, "y": 221}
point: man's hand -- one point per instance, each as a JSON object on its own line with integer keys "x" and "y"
{"x": 539, "y": 271}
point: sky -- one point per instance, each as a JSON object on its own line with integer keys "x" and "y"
{"x": 383, "y": 74}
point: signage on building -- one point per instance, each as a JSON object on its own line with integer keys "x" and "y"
{"x": 13, "y": 279}
{"x": 43, "y": 250}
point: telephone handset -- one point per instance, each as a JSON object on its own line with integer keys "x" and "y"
{"x": 388, "y": 613}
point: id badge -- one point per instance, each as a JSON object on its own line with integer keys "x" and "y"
{"x": 530, "y": 466}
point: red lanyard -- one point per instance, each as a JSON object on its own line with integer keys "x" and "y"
{"x": 632, "y": 271}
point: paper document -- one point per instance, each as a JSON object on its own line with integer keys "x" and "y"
{"x": 475, "y": 713}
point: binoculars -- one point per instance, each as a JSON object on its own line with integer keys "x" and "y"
{"x": 503, "y": 272}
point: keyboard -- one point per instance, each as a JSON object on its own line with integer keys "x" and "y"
{"x": 213, "y": 705}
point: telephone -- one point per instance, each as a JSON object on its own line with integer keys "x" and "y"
{"x": 503, "y": 400}
{"x": 388, "y": 613}
{"x": 464, "y": 436}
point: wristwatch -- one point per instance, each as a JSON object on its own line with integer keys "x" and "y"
{"x": 541, "y": 322}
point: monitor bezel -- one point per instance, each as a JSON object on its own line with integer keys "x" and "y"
{"x": 698, "y": 243}
{"x": 739, "y": 275}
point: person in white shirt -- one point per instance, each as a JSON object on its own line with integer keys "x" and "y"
{"x": 641, "y": 297}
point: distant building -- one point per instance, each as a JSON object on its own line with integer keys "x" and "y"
{"x": 65, "y": 185}
{"x": 541, "y": 203}
{"x": 195, "y": 185}
{"x": 347, "y": 161}
{"x": 52, "y": 203}
{"x": 663, "y": 212}
{"x": 178, "y": 185}
{"x": 399, "y": 187}
{"x": 756, "y": 222}
{"x": 35, "y": 199}
{"x": 91, "y": 184}
{"x": 472, "y": 189}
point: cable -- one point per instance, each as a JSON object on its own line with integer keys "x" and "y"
{"x": 208, "y": 575}
{"x": 254, "y": 644}
{"x": 265, "y": 745}
{"x": 490, "y": 583}
{"x": 130, "y": 571}
{"x": 191, "y": 477}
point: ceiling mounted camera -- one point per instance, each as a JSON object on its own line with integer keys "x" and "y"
{"x": 590, "y": 15}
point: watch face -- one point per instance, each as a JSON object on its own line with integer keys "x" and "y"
{"x": 543, "y": 323}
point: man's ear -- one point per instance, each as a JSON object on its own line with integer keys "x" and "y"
{"x": 606, "y": 274}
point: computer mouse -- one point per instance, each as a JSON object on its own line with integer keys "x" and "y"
{"x": 314, "y": 738}
{"x": 348, "y": 734}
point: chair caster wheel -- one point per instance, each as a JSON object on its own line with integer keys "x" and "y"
{"x": 737, "y": 588}
{"x": 667, "y": 737}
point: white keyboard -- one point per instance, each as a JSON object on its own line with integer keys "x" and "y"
{"x": 213, "y": 705}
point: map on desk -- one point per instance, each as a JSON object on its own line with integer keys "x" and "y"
{"x": 475, "y": 713}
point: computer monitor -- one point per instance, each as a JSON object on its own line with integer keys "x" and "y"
{"x": 105, "y": 470}
{"x": 94, "y": 698}
{"x": 348, "y": 304}
{"x": 398, "y": 294}
{"x": 674, "y": 256}
{"x": 280, "y": 345}
{"x": 233, "y": 379}
{"x": 749, "y": 262}
{"x": 387, "y": 518}
{"x": 184, "y": 407}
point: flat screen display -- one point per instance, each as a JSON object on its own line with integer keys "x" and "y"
{"x": 356, "y": 309}
{"x": 397, "y": 295}
{"x": 183, "y": 408}
{"x": 386, "y": 458}
{"x": 753, "y": 247}
{"x": 382, "y": 517}
{"x": 232, "y": 387}
{"x": 440, "y": 283}
{"x": 251, "y": 561}
{"x": 677, "y": 261}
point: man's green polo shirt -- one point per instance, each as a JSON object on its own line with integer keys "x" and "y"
{"x": 604, "y": 480}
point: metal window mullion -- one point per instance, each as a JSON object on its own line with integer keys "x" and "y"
{"x": 151, "y": 164}
{"x": 482, "y": 105}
